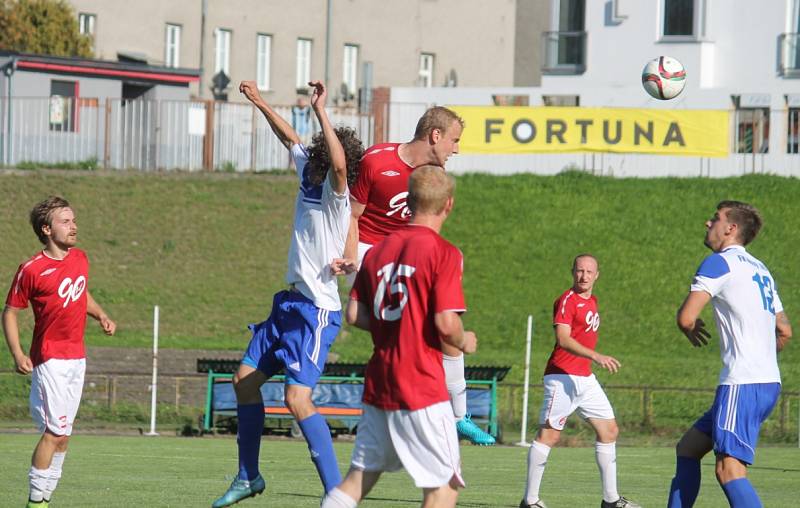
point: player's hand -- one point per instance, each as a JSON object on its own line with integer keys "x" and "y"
{"x": 698, "y": 335}
{"x": 608, "y": 362}
{"x": 108, "y": 326}
{"x": 319, "y": 95}
{"x": 250, "y": 90}
{"x": 24, "y": 364}
{"x": 343, "y": 266}
{"x": 470, "y": 344}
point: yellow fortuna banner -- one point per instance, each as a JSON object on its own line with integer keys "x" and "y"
{"x": 497, "y": 129}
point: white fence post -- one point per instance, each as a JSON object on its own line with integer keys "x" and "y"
{"x": 154, "y": 385}
{"x": 522, "y": 441}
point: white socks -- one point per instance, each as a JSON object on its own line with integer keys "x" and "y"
{"x": 338, "y": 499}
{"x": 38, "y": 483}
{"x": 537, "y": 459}
{"x": 44, "y": 481}
{"x": 54, "y": 473}
{"x": 606, "y": 455}
{"x": 456, "y": 384}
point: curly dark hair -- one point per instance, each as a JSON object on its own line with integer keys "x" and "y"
{"x": 319, "y": 160}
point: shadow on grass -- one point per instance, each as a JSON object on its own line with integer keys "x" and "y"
{"x": 387, "y": 499}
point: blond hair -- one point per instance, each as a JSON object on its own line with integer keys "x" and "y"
{"x": 429, "y": 188}
{"x": 437, "y": 117}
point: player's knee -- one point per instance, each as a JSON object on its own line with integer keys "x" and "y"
{"x": 729, "y": 469}
{"x": 609, "y": 434}
{"x": 299, "y": 404}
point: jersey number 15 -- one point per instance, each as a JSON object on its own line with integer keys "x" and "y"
{"x": 387, "y": 275}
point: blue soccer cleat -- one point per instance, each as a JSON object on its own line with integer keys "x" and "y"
{"x": 468, "y": 430}
{"x": 240, "y": 489}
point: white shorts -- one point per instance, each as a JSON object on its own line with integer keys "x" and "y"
{"x": 563, "y": 394}
{"x": 56, "y": 387}
{"x": 424, "y": 442}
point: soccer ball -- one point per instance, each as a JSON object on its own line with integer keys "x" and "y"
{"x": 663, "y": 78}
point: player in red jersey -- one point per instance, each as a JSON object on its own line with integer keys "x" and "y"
{"x": 408, "y": 294}
{"x": 54, "y": 281}
{"x": 569, "y": 385}
{"x": 378, "y": 204}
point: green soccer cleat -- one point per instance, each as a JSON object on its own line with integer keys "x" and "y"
{"x": 240, "y": 489}
{"x": 37, "y": 504}
{"x": 468, "y": 430}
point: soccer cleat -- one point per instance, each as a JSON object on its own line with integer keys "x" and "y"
{"x": 619, "y": 503}
{"x": 240, "y": 489}
{"x": 37, "y": 504}
{"x": 537, "y": 504}
{"x": 468, "y": 430}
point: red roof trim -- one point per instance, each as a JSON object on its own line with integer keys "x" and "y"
{"x": 155, "y": 76}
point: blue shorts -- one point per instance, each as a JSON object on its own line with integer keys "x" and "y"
{"x": 735, "y": 418}
{"x": 295, "y": 337}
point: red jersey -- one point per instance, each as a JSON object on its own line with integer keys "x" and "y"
{"x": 404, "y": 281}
{"x": 581, "y": 315}
{"x": 382, "y": 186}
{"x": 56, "y": 290}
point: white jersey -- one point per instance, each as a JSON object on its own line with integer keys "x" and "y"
{"x": 321, "y": 220}
{"x": 745, "y": 302}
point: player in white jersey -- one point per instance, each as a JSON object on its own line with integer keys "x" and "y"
{"x": 752, "y": 329}
{"x": 304, "y": 319}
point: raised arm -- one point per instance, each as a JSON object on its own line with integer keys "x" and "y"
{"x": 11, "y": 331}
{"x": 567, "y": 342}
{"x": 280, "y": 127}
{"x": 338, "y": 160}
{"x": 783, "y": 329}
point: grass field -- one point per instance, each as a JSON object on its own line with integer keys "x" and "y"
{"x": 175, "y": 472}
{"x": 210, "y": 250}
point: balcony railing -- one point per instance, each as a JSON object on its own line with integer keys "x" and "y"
{"x": 789, "y": 45}
{"x": 564, "y": 52}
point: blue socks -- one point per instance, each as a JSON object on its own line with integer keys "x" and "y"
{"x": 741, "y": 494}
{"x": 251, "y": 425}
{"x": 318, "y": 436}
{"x": 686, "y": 484}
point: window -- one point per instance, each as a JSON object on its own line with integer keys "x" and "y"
{"x": 793, "y": 134}
{"x": 63, "y": 114}
{"x": 752, "y": 123}
{"x": 86, "y": 23}
{"x": 683, "y": 19}
{"x": 565, "y": 46}
{"x": 561, "y": 100}
{"x": 303, "y": 75}
{"x": 222, "y": 51}
{"x": 350, "y": 70}
{"x": 263, "y": 51}
{"x": 425, "y": 78}
{"x": 172, "y": 46}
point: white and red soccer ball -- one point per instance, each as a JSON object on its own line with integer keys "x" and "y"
{"x": 663, "y": 78}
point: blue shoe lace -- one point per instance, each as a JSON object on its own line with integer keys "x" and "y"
{"x": 240, "y": 489}
{"x": 467, "y": 429}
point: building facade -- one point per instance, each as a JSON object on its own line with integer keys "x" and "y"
{"x": 352, "y": 44}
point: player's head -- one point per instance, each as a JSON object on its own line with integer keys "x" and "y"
{"x": 53, "y": 220}
{"x": 733, "y": 223}
{"x": 441, "y": 129}
{"x": 430, "y": 191}
{"x": 319, "y": 160}
{"x": 585, "y": 270}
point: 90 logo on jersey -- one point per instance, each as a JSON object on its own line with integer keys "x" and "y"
{"x": 592, "y": 321}
{"x": 387, "y": 275}
{"x": 70, "y": 291}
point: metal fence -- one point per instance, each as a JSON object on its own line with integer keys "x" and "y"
{"x": 149, "y": 135}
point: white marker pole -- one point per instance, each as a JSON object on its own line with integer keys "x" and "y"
{"x": 154, "y": 385}
{"x": 522, "y": 441}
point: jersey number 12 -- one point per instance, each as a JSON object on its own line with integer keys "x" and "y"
{"x": 765, "y": 286}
